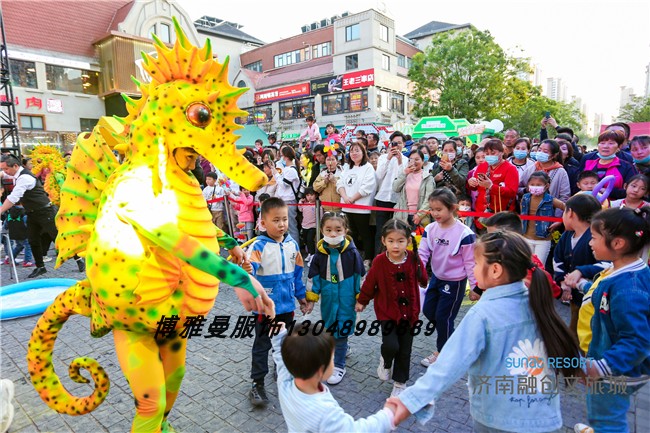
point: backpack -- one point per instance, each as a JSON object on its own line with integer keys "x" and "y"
{"x": 16, "y": 224}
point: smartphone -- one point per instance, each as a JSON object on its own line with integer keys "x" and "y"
{"x": 481, "y": 176}
{"x": 547, "y": 114}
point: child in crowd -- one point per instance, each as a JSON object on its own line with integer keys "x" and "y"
{"x": 449, "y": 244}
{"x": 538, "y": 202}
{"x": 243, "y": 203}
{"x": 335, "y": 272}
{"x": 303, "y": 360}
{"x": 635, "y": 191}
{"x": 17, "y": 228}
{"x": 465, "y": 205}
{"x": 309, "y": 221}
{"x": 325, "y": 183}
{"x": 277, "y": 265}
{"x": 393, "y": 282}
{"x": 614, "y": 321}
{"x": 214, "y": 191}
{"x": 479, "y": 158}
{"x": 260, "y": 198}
{"x": 587, "y": 181}
{"x": 573, "y": 258}
{"x": 509, "y": 325}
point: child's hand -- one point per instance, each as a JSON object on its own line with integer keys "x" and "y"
{"x": 401, "y": 412}
{"x": 359, "y": 307}
{"x": 571, "y": 279}
{"x": 247, "y": 266}
{"x": 304, "y": 306}
{"x": 473, "y": 296}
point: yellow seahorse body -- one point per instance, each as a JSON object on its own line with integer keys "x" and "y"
{"x": 150, "y": 246}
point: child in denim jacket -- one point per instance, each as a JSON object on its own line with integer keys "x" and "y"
{"x": 507, "y": 327}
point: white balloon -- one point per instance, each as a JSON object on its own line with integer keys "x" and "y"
{"x": 496, "y": 125}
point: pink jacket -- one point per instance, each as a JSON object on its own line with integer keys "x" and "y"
{"x": 244, "y": 206}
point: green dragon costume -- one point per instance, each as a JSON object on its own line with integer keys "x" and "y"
{"x": 151, "y": 248}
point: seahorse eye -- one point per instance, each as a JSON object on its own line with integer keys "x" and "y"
{"x": 199, "y": 114}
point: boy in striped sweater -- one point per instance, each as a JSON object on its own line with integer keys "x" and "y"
{"x": 303, "y": 361}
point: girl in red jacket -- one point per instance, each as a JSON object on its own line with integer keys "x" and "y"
{"x": 496, "y": 181}
{"x": 393, "y": 281}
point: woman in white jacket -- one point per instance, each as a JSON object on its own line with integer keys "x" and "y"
{"x": 357, "y": 185}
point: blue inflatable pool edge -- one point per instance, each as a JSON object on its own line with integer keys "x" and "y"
{"x": 12, "y": 313}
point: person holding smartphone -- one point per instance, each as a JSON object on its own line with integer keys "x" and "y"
{"x": 496, "y": 181}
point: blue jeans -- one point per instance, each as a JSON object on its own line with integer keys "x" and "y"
{"x": 340, "y": 350}
{"x": 607, "y": 412}
{"x": 441, "y": 305}
{"x": 481, "y": 428}
{"x": 18, "y": 247}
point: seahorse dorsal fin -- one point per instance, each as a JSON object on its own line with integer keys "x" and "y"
{"x": 99, "y": 184}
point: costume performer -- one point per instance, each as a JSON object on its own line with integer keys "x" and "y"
{"x": 150, "y": 245}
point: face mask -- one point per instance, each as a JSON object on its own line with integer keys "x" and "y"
{"x": 520, "y": 154}
{"x": 333, "y": 240}
{"x": 464, "y": 208}
{"x": 459, "y": 152}
{"x": 607, "y": 158}
{"x": 542, "y": 157}
{"x": 492, "y": 159}
{"x": 283, "y": 163}
{"x": 536, "y": 190}
{"x": 426, "y": 158}
{"x": 533, "y": 156}
{"x": 642, "y": 161}
{"x": 451, "y": 155}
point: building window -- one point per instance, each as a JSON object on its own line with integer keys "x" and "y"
{"x": 383, "y": 32}
{"x": 35, "y": 123}
{"x": 297, "y": 109}
{"x": 255, "y": 66}
{"x": 23, "y": 74}
{"x": 409, "y": 62}
{"x": 351, "y": 62}
{"x": 352, "y": 32}
{"x": 163, "y": 31}
{"x": 385, "y": 62}
{"x": 258, "y": 114}
{"x": 321, "y": 50}
{"x": 241, "y": 83}
{"x": 87, "y": 125}
{"x": 401, "y": 60}
{"x": 71, "y": 80}
{"x": 389, "y": 101}
{"x": 349, "y": 102}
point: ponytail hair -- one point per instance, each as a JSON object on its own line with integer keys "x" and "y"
{"x": 513, "y": 253}
{"x": 395, "y": 225}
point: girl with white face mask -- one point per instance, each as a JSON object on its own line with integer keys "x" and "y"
{"x": 538, "y": 202}
{"x": 335, "y": 272}
{"x": 452, "y": 169}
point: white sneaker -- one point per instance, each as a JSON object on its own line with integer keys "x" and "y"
{"x": 337, "y": 376}
{"x": 582, "y": 428}
{"x": 6, "y": 408}
{"x": 19, "y": 261}
{"x": 398, "y": 388}
{"x": 47, "y": 259}
{"x": 309, "y": 257}
{"x": 366, "y": 264}
{"x": 383, "y": 373}
{"x": 430, "y": 359}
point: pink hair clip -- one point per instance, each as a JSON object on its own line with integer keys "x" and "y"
{"x": 639, "y": 233}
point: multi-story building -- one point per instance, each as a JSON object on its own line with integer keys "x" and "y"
{"x": 348, "y": 69}
{"x": 556, "y": 89}
{"x": 423, "y": 35}
{"x": 66, "y": 73}
{"x": 627, "y": 96}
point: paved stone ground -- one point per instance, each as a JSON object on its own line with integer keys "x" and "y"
{"x": 213, "y": 395}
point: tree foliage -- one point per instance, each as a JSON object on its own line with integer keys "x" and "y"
{"x": 527, "y": 116}
{"x": 466, "y": 74}
{"x": 636, "y": 111}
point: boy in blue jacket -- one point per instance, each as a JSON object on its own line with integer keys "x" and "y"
{"x": 277, "y": 265}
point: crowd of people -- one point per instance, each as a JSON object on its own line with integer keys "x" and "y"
{"x": 394, "y": 224}
{"x": 513, "y": 223}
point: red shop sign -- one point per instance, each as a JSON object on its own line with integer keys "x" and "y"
{"x": 357, "y": 79}
{"x": 282, "y": 93}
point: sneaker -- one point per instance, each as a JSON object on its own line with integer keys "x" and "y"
{"x": 81, "y": 264}
{"x": 383, "y": 373}
{"x": 366, "y": 264}
{"x": 398, "y": 388}
{"x": 37, "y": 272}
{"x": 17, "y": 261}
{"x": 309, "y": 257}
{"x": 582, "y": 428}
{"x": 6, "y": 262}
{"x": 337, "y": 376}
{"x": 257, "y": 395}
{"x": 430, "y": 359}
{"x": 47, "y": 259}
{"x": 6, "y": 408}
{"x": 27, "y": 264}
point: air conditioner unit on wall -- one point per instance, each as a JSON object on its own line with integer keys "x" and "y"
{"x": 314, "y": 26}
{"x": 304, "y": 29}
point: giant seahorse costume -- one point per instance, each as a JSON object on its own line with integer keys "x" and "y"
{"x": 48, "y": 160}
{"x": 150, "y": 246}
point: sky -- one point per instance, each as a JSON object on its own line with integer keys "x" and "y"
{"x": 595, "y": 46}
